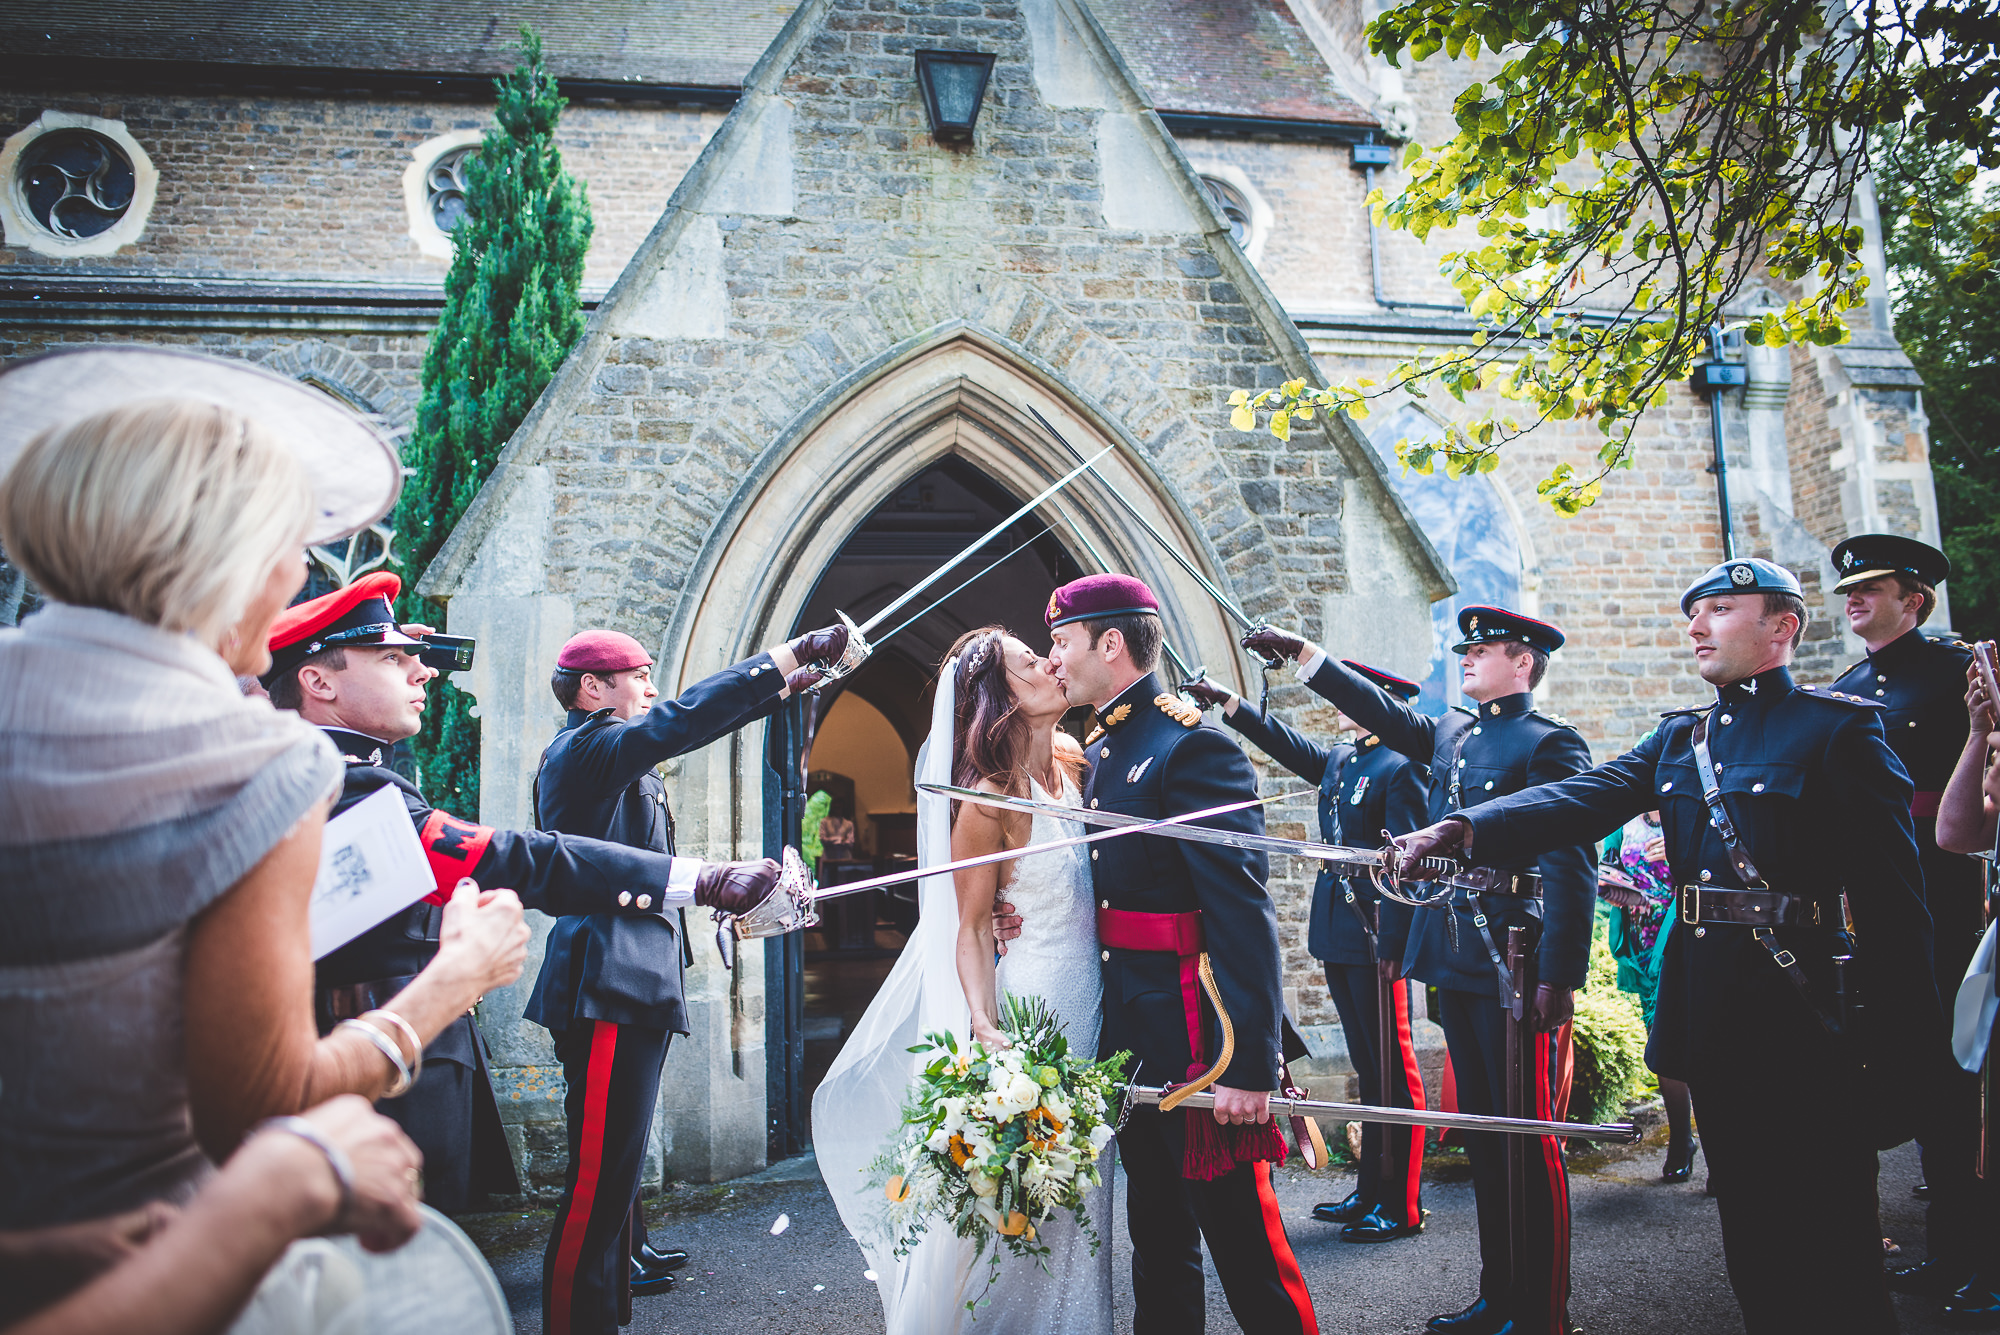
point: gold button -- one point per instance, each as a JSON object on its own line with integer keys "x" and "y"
{"x": 624, "y": 898}
{"x": 1880, "y": 677}
{"x": 1093, "y": 804}
{"x": 1913, "y": 723}
{"x": 1489, "y": 785}
{"x": 1104, "y": 753}
{"x": 1667, "y": 787}
{"x": 1726, "y": 718}
{"x": 1104, "y": 955}
{"x": 1701, "y": 931}
{"x": 645, "y": 901}
{"x": 1105, "y": 904}
{"x": 1756, "y": 787}
{"x": 1475, "y": 730}
{"x": 1879, "y": 691}
{"x": 1708, "y": 875}
{"x": 1093, "y": 858}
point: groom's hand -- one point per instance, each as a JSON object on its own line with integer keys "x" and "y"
{"x": 1241, "y": 1106}
{"x": 1006, "y": 924}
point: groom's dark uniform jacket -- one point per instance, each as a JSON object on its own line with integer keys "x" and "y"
{"x": 1157, "y": 758}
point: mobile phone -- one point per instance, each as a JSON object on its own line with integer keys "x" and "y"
{"x": 447, "y": 653}
{"x": 1982, "y": 653}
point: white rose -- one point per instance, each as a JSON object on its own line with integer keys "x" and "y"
{"x": 1058, "y": 1108}
{"x": 985, "y": 1184}
{"x": 1099, "y": 1135}
{"x": 1023, "y": 1092}
{"x": 939, "y": 1142}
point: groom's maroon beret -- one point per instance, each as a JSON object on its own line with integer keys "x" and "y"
{"x": 1095, "y": 597}
{"x": 602, "y": 651}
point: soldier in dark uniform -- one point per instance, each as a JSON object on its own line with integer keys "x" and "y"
{"x": 1365, "y": 789}
{"x": 602, "y": 991}
{"x": 343, "y": 662}
{"x": 1188, "y": 932}
{"x": 1476, "y": 754}
{"x": 1891, "y": 587}
{"x": 1795, "y": 1090}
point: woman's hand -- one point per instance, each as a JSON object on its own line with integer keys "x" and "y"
{"x": 1977, "y": 707}
{"x": 1656, "y": 848}
{"x": 484, "y": 938}
{"x": 988, "y": 1034}
{"x": 387, "y": 1168}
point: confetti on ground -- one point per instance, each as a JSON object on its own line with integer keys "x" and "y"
{"x": 868, "y": 1275}
{"x": 784, "y": 1222}
{"x": 819, "y": 1288}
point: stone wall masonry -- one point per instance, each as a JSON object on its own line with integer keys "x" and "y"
{"x": 313, "y": 187}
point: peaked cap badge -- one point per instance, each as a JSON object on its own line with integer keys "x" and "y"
{"x": 1054, "y": 610}
{"x": 1471, "y": 624}
{"x": 1177, "y": 709}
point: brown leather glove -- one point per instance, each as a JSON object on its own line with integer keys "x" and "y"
{"x": 1268, "y": 642}
{"x": 735, "y": 887}
{"x": 1207, "y": 691}
{"x": 1552, "y": 1009}
{"x": 823, "y": 647}
{"x": 803, "y": 680}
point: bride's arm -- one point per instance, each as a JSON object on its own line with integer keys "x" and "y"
{"x": 978, "y": 830}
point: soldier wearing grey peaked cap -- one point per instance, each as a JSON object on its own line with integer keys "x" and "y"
{"x": 1786, "y": 817}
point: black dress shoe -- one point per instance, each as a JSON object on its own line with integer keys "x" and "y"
{"x": 1342, "y": 1211}
{"x": 646, "y": 1283}
{"x": 1481, "y": 1318}
{"x": 653, "y": 1258}
{"x": 1680, "y": 1161}
{"x": 1932, "y": 1277}
{"x": 1975, "y": 1305}
{"x": 1378, "y": 1227}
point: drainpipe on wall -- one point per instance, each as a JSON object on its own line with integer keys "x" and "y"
{"x": 1714, "y": 376}
{"x": 1368, "y": 155}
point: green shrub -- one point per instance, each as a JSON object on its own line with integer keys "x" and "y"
{"x": 1610, "y": 1040}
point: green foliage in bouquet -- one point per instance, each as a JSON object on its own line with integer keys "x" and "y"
{"x": 1610, "y": 1039}
{"x": 992, "y": 1144}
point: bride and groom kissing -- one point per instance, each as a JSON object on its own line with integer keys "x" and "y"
{"x": 1114, "y": 936}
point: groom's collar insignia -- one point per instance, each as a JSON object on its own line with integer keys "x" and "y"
{"x": 1177, "y": 709}
{"x": 1116, "y": 717}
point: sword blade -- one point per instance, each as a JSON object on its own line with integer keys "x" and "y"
{"x": 1222, "y": 599}
{"x": 992, "y": 533}
{"x": 1282, "y": 1105}
{"x": 1180, "y": 664}
{"x": 1138, "y": 826}
{"x": 893, "y": 632}
{"x": 1346, "y": 860}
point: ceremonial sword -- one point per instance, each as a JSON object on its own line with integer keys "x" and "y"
{"x": 1222, "y": 599}
{"x": 858, "y": 648}
{"x": 1343, "y": 859}
{"x": 1363, "y": 1112}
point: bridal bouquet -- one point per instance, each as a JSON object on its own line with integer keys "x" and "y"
{"x": 994, "y": 1143}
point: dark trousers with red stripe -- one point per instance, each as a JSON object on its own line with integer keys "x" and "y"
{"x": 1168, "y": 1217}
{"x": 613, "y": 1072}
{"x": 1475, "y": 1032}
{"x": 1397, "y": 1188}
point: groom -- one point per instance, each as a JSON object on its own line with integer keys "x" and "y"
{"x": 1191, "y": 976}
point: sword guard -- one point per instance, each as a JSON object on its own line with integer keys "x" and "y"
{"x": 1269, "y": 659}
{"x": 788, "y": 908}
{"x": 857, "y": 652}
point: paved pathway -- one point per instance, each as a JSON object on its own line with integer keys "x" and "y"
{"x": 1648, "y": 1256}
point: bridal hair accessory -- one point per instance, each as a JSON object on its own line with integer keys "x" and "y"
{"x": 974, "y": 658}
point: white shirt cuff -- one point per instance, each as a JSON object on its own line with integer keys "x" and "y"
{"x": 680, "y": 881}
{"x": 1313, "y": 663}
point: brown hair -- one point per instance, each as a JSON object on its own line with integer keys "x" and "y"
{"x": 990, "y": 734}
{"x": 1515, "y": 648}
{"x": 1910, "y": 584}
{"x": 1777, "y": 602}
{"x": 284, "y": 688}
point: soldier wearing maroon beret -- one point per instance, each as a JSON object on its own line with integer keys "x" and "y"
{"x": 602, "y": 993}
{"x": 345, "y": 662}
{"x": 1168, "y": 913}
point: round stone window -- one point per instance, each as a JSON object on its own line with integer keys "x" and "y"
{"x": 75, "y": 186}
{"x": 1238, "y": 201}
{"x": 434, "y": 189}
{"x": 1235, "y": 208}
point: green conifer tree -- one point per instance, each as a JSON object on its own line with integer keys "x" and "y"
{"x": 511, "y": 314}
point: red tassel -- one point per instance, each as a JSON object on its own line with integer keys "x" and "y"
{"x": 1212, "y": 1150}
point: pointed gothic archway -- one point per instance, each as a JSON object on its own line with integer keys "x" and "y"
{"x": 962, "y": 397}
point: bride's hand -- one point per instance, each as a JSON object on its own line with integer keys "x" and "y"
{"x": 989, "y": 1037}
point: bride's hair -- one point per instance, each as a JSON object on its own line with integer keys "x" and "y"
{"x": 990, "y": 732}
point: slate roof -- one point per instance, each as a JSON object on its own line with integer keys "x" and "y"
{"x": 1243, "y": 58}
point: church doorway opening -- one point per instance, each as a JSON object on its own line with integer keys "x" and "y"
{"x": 858, "y": 744}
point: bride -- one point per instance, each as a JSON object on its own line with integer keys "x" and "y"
{"x": 993, "y": 727}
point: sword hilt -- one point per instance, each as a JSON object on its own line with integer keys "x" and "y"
{"x": 853, "y": 656}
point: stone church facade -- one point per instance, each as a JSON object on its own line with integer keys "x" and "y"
{"x": 801, "y": 303}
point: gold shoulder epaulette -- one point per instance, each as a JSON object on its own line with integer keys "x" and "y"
{"x": 1177, "y": 709}
{"x": 1095, "y": 733}
{"x": 1558, "y": 720}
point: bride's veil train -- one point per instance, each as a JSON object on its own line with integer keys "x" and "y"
{"x": 859, "y": 1103}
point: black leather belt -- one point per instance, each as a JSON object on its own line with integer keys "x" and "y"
{"x": 1493, "y": 881}
{"x": 1705, "y": 904}
{"x": 344, "y": 1003}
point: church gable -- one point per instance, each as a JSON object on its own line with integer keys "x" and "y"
{"x": 824, "y": 236}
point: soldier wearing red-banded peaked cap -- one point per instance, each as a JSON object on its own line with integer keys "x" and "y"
{"x": 1400, "y": 687}
{"x": 1095, "y": 597}
{"x": 450, "y": 1112}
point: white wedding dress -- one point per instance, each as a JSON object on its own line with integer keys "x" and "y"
{"x": 857, "y": 1107}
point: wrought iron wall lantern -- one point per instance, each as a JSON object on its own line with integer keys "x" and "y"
{"x": 954, "y": 85}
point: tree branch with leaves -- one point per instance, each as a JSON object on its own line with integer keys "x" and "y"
{"x": 1630, "y": 170}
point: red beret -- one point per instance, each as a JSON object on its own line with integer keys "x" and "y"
{"x": 603, "y": 651}
{"x": 363, "y": 613}
{"x": 1097, "y": 596}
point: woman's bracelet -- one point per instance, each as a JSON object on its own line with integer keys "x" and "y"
{"x": 404, "y": 1026}
{"x": 388, "y": 1049}
{"x": 336, "y": 1158}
